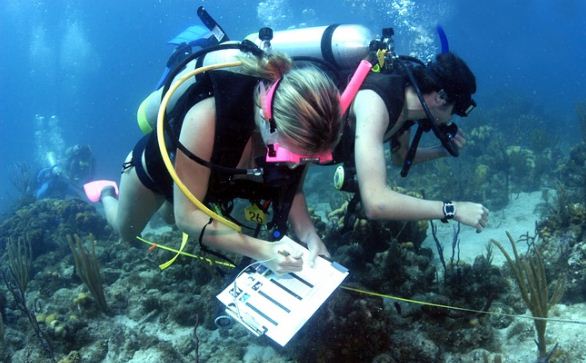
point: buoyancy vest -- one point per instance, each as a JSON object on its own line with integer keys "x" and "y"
{"x": 234, "y": 102}
{"x": 391, "y": 89}
{"x": 340, "y": 45}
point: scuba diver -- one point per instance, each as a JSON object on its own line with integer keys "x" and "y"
{"x": 399, "y": 95}
{"x": 79, "y": 164}
{"x": 232, "y": 133}
{"x": 64, "y": 178}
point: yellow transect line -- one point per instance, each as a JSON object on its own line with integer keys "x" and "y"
{"x": 376, "y": 294}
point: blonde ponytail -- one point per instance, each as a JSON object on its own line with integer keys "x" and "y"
{"x": 271, "y": 67}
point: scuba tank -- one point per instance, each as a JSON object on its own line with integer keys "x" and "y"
{"x": 342, "y": 46}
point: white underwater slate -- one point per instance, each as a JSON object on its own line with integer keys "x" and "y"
{"x": 279, "y": 305}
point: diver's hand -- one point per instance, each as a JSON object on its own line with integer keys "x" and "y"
{"x": 459, "y": 139}
{"x": 471, "y": 214}
{"x": 316, "y": 248}
{"x": 285, "y": 256}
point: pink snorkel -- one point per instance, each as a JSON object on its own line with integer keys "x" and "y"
{"x": 354, "y": 85}
{"x": 278, "y": 154}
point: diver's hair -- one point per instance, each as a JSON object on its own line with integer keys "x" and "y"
{"x": 268, "y": 67}
{"x": 306, "y": 107}
{"x": 447, "y": 71}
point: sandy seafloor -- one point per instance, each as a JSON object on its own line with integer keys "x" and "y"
{"x": 518, "y": 218}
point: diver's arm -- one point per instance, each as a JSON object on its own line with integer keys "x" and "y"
{"x": 378, "y": 200}
{"x": 423, "y": 153}
{"x": 304, "y": 228}
{"x": 197, "y": 134}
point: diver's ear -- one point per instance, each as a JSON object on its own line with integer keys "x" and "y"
{"x": 440, "y": 98}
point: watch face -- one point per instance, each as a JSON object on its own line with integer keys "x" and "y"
{"x": 449, "y": 210}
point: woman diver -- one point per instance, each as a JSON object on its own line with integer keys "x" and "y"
{"x": 266, "y": 116}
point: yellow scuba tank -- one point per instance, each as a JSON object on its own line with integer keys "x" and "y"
{"x": 146, "y": 114}
{"x": 343, "y": 46}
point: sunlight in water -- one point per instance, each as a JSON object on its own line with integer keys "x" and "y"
{"x": 413, "y": 22}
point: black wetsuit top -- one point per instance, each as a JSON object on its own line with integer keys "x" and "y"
{"x": 391, "y": 88}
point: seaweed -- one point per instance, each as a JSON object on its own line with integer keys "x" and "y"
{"x": 87, "y": 268}
{"x": 16, "y": 280}
{"x": 529, "y": 274}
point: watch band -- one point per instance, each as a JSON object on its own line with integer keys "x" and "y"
{"x": 449, "y": 211}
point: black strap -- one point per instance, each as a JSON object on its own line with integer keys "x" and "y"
{"x": 206, "y": 249}
{"x": 136, "y": 161}
{"x": 326, "y": 45}
{"x": 412, "y": 150}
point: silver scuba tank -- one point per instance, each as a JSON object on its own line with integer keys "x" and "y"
{"x": 344, "y": 45}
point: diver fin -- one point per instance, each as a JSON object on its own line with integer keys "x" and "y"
{"x": 192, "y": 33}
{"x": 94, "y": 189}
{"x": 212, "y": 25}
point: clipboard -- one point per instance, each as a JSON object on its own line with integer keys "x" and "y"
{"x": 277, "y": 305}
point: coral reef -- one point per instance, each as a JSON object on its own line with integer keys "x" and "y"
{"x": 348, "y": 328}
{"x": 23, "y": 180}
{"x": 169, "y": 315}
{"x": 46, "y": 222}
{"x": 87, "y": 268}
{"x": 502, "y": 156}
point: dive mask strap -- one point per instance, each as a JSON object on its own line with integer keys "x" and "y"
{"x": 445, "y": 138}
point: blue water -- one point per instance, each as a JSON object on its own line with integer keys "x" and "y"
{"x": 92, "y": 62}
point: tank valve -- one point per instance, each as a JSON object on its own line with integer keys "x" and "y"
{"x": 265, "y": 35}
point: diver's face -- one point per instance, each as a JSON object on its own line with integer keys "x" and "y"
{"x": 440, "y": 108}
{"x": 443, "y": 114}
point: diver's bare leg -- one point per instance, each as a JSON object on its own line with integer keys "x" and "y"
{"x": 133, "y": 209}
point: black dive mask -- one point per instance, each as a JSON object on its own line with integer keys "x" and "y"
{"x": 463, "y": 106}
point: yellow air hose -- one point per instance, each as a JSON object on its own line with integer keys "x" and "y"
{"x": 163, "y": 145}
